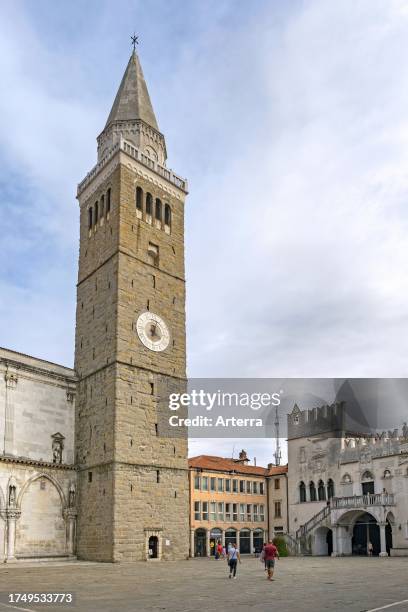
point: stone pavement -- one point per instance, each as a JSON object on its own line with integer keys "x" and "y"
{"x": 302, "y": 584}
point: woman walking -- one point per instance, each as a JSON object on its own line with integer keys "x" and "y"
{"x": 233, "y": 558}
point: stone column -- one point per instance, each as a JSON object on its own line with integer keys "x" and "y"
{"x": 192, "y": 551}
{"x": 383, "y": 552}
{"x": 223, "y": 538}
{"x": 335, "y": 531}
{"x": 238, "y": 542}
{"x": 207, "y": 545}
{"x": 12, "y": 515}
{"x": 70, "y": 519}
{"x": 251, "y": 541}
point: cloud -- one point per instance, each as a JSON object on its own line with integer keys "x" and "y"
{"x": 289, "y": 119}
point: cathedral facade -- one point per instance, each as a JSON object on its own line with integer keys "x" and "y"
{"x": 89, "y": 467}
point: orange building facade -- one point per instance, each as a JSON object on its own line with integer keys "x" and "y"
{"x": 228, "y": 504}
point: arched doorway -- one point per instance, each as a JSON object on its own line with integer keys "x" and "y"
{"x": 215, "y": 537}
{"x": 366, "y": 530}
{"x": 245, "y": 541}
{"x": 153, "y": 547}
{"x": 258, "y": 540}
{"x": 323, "y": 542}
{"x": 230, "y": 537}
{"x": 200, "y": 543}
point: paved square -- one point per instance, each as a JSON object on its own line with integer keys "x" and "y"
{"x": 302, "y": 584}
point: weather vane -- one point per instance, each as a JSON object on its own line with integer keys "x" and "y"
{"x": 135, "y": 41}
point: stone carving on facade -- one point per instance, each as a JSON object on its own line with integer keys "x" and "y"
{"x": 11, "y": 380}
{"x": 70, "y": 396}
{"x": 57, "y": 447}
{"x": 365, "y": 456}
{"x": 12, "y": 498}
{"x": 71, "y": 496}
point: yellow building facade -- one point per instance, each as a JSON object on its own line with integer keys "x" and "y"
{"x": 228, "y": 504}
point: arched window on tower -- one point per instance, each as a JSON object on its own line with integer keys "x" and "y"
{"x": 102, "y": 211}
{"x": 167, "y": 216}
{"x": 321, "y": 491}
{"x": 139, "y": 201}
{"x": 149, "y": 206}
{"x": 312, "y": 491}
{"x": 330, "y": 489}
{"x": 90, "y": 218}
{"x": 302, "y": 492}
{"x": 158, "y": 210}
{"x": 96, "y": 213}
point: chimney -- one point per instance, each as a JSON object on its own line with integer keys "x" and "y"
{"x": 243, "y": 458}
{"x": 255, "y": 461}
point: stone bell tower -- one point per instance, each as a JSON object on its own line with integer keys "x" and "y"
{"x": 130, "y": 340}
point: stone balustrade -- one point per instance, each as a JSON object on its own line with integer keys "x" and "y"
{"x": 363, "y": 501}
{"x": 132, "y": 151}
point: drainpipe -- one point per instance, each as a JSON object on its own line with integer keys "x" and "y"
{"x": 287, "y": 502}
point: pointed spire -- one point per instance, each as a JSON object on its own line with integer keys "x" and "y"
{"x": 132, "y": 101}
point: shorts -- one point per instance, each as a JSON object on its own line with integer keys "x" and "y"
{"x": 270, "y": 563}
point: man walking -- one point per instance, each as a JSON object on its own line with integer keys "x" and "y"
{"x": 233, "y": 558}
{"x": 270, "y": 554}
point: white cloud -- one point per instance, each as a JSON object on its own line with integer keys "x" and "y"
{"x": 292, "y": 128}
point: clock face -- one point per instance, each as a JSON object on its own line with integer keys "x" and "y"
{"x": 153, "y": 331}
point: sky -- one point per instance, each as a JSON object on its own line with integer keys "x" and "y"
{"x": 289, "y": 120}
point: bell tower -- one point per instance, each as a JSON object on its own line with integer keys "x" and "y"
{"x": 130, "y": 340}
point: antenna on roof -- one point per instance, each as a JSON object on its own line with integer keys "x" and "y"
{"x": 278, "y": 453}
{"x": 233, "y": 450}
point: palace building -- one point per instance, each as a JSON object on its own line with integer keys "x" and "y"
{"x": 346, "y": 490}
{"x": 89, "y": 467}
{"x": 229, "y": 503}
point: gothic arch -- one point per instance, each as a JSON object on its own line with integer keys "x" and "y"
{"x": 41, "y": 529}
{"x": 35, "y": 477}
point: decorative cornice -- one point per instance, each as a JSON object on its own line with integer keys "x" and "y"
{"x": 25, "y": 367}
{"x": 35, "y": 462}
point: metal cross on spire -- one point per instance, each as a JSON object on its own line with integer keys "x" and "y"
{"x": 135, "y": 41}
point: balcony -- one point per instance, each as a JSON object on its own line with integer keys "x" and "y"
{"x": 363, "y": 501}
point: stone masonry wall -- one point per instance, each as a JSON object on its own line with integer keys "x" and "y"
{"x": 133, "y": 477}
